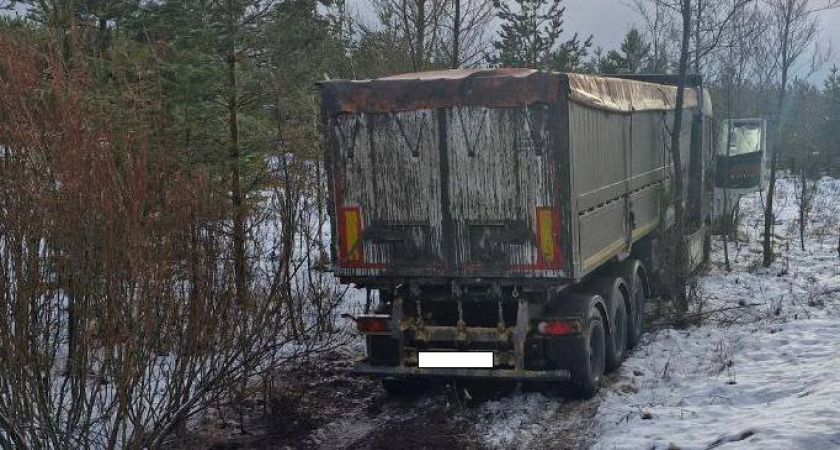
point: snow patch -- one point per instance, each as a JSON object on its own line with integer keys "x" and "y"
{"x": 763, "y": 372}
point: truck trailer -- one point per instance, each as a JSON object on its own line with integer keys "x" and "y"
{"x": 508, "y": 218}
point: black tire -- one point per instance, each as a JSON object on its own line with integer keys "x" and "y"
{"x": 405, "y": 387}
{"x": 617, "y": 340}
{"x": 589, "y": 368}
{"x": 609, "y": 288}
{"x": 637, "y": 299}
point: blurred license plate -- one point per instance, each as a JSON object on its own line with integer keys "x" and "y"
{"x": 455, "y": 360}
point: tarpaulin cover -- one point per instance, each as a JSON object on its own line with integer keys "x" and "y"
{"x": 616, "y": 94}
{"x": 496, "y": 88}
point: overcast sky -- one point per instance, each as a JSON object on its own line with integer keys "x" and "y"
{"x": 608, "y": 20}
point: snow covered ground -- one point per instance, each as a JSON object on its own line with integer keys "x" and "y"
{"x": 761, "y": 372}
{"x": 764, "y": 370}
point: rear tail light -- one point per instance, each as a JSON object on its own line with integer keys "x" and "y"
{"x": 548, "y": 234}
{"x": 373, "y": 324}
{"x": 558, "y": 327}
{"x": 350, "y": 231}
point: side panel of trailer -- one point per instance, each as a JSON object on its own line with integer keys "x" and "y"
{"x": 621, "y": 168}
{"x": 598, "y": 142}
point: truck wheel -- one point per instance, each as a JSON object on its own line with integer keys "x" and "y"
{"x": 630, "y": 270}
{"x": 609, "y": 288}
{"x": 588, "y": 370}
{"x": 617, "y": 340}
{"x": 405, "y": 387}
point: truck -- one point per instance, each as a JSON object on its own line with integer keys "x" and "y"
{"x": 509, "y": 219}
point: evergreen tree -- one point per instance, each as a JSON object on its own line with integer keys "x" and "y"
{"x": 101, "y": 16}
{"x": 633, "y": 55}
{"x": 831, "y": 126}
{"x": 530, "y": 34}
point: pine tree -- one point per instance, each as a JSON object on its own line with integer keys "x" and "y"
{"x": 101, "y": 16}
{"x": 530, "y": 37}
{"x": 831, "y": 126}
{"x": 633, "y": 55}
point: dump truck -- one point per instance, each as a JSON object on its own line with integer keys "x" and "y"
{"x": 509, "y": 219}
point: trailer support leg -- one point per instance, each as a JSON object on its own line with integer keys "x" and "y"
{"x": 501, "y": 325}
{"x": 462, "y": 325}
{"x": 397, "y": 317}
{"x": 520, "y": 333}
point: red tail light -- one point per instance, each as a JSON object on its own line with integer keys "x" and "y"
{"x": 558, "y": 327}
{"x": 373, "y": 324}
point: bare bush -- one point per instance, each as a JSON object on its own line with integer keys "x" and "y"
{"x": 118, "y": 318}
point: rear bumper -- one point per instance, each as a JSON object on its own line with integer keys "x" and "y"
{"x": 508, "y": 374}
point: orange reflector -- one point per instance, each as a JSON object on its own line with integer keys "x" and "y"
{"x": 548, "y": 224}
{"x": 372, "y": 324}
{"x": 558, "y": 327}
{"x": 350, "y": 231}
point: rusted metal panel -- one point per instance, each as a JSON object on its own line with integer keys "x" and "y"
{"x": 449, "y": 334}
{"x": 504, "y": 88}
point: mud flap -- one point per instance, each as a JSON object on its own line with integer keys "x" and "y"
{"x": 520, "y": 334}
{"x": 568, "y": 350}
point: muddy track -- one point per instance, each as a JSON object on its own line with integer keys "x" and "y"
{"x": 498, "y": 415}
{"x": 320, "y": 407}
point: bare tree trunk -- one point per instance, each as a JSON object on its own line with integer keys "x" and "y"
{"x": 697, "y": 33}
{"x": 456, "y": 36}
{"x": 420, "y": 43}
{"x": 679, "y": 282}
{"x": 103, "y": 36}
{"x": 769, "y": 256}
{"x": 803, "y": 204}
{"x": 727, "y": 216}
{"x": 237, "y": 196}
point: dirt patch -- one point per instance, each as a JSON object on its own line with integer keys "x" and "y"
{"x": 436, "y": 428}
{"x": 284, "y": 412}
{"x": 319, "y": 406}
{"x": 571, "y": 426}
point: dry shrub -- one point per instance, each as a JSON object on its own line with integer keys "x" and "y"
{"x": 118, "y": 320}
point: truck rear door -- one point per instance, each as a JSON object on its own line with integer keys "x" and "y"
{"x": 453, "y": 190}
{"x": 503, "y": 191}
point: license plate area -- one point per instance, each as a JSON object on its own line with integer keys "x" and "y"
{"x": 455, "y": 360}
